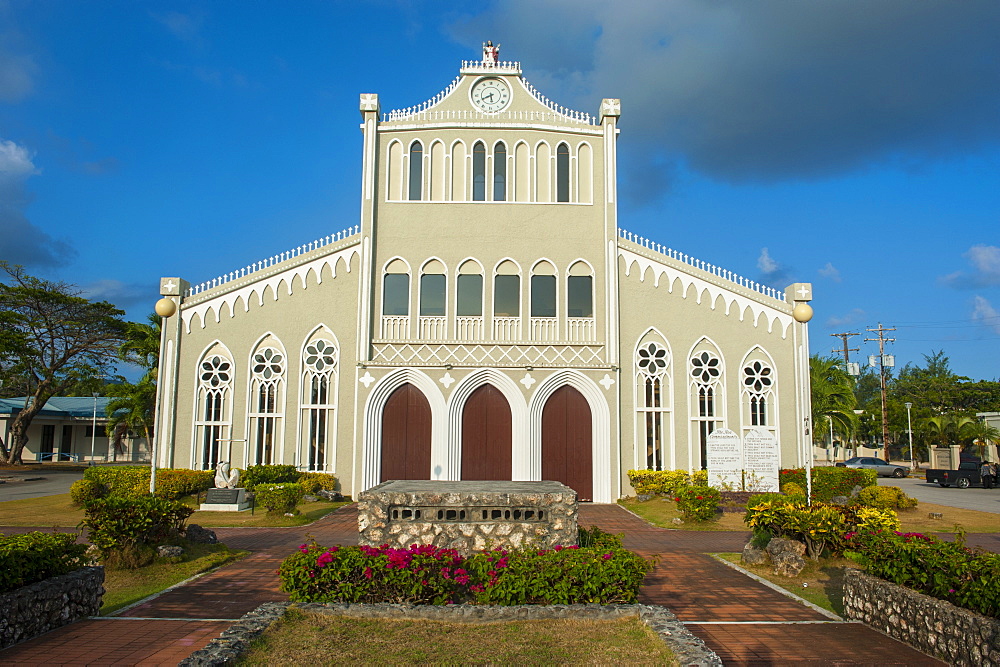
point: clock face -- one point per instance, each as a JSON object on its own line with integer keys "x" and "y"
{"x": 491, "y": 95}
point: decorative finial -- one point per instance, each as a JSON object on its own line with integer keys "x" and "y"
{"x": 491, "y": 54}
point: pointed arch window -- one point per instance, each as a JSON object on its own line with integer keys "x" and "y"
{"x": 653, "y": 406}
{"x": 319, "y": 402}
{"x": 706, "y": 383}
{"x": 213, "y": 422}
{"x": 267, "y": 404}
{"x": 479, "y": 172}
{"x": 416, "y": 180}
{"x": 562, "y": 173}
{"x": 758, "y": 380}
{"x": 500, "y": 172}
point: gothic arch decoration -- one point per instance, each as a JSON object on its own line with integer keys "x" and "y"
{"x": 653, "y": 386}
{"x": 371, "y": 464}
{"x": 318, "y": 402}
{"x": 603, "y": 465}
{"x": 706, "y": 396}
{"x": 758, "y": 391}
{"x": 520, "y": 457}
{"x": 213, "y": 406}
{"x": 266, "y": 391}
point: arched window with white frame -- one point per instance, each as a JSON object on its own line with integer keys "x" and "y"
{"x": 758, "y": 387}
{"x": 320, "y": 368}
{"x": 266, "y": 404}
{"x": 415, "y": 183}
{"x": 706, "y": 374}
{"x": 500, "y": 171}
{"x": 213, "y": 411}
{"x": 653, "y": 406}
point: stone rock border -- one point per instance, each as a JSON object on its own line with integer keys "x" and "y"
{"x": 936, "y": 627}
{"x": 687, "y": 648}
{"x": 46, "y": 605}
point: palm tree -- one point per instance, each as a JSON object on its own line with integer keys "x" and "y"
{"x": 132, "y": 408}
{"x": 833, "y": 399}
{"x": 983, "y": 434}
{"x": 950, "y": 428}
{"x": 142, "y": 346}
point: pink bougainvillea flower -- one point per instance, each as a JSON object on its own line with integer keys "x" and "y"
{"x": 368, "y": 573}
{"x": 303, "y": 548}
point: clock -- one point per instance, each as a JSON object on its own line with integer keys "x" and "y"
{"x": 491, "y": 95}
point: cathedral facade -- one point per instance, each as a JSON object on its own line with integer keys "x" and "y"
{"x": 486, "y": 319}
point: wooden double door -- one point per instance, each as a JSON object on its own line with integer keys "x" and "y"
{"x": 487, "y": 437}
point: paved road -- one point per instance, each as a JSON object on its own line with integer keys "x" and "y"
{"x": 53, "y": 483}
{"x": 984, "y": 500}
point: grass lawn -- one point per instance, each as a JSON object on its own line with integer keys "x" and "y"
{"x": 52, "y": 511}
{"x": 124, "y": 587}
{"x": 660, "y": 512}
{"x": 823, "y": 581}
{"x": 303, "y": 638}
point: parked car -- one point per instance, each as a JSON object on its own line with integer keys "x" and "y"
{"x": 967, "y": 475}
{"x": 883, "y": 468}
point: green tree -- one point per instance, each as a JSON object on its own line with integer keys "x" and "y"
{"x": 833, "y": 399}
{"x": 50, "y": 339}
{"x": 983, "y": 434}
{"x": 950, "y": 429}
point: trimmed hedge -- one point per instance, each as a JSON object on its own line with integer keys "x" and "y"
{"x": 133, "y": 481}
{"x": 175, "y": 483}
{"x": 949, "y": 571}
{"x": 886, "y": 497}
{"x": 32, "y": 557}
{"x": 317, "y": 481}
{"x": 425, "y": 574}
{"x": 82, "y": 491}
{"x": 278, "y": 498}
{"x": 126, "y": 529}
{"x": 268, "y": 474}
{"x": 665, "y": 482}
{"x": 829, "y": 481}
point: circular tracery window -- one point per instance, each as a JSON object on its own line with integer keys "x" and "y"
{"x": 268, "y": 363}
{"x": 321, "y": 356}
{"x": 652, "y": 359}
{"x": 705, "y": 367}
{"x": 215, "y": 371}
{"x": 757, "y": 376}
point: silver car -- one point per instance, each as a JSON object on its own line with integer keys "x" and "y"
{"x": 882, "y": 468}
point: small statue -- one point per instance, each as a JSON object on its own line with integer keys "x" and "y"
{"x": 491, "y": 54}
{"x": 224, "y": 479}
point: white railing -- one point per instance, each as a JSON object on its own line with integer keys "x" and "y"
{"x": 472, "y": 115}
{"x": 544, "y": 329}
{"x": 580, "y": 329}
{"x": 271, "y": 261}
{"x": 561, "y": 110}
{"x": 507, "y": 328}
{"x": 469, "y": 328}
{"x": 433, "y": 328}
{"x": 395, "y": 327}
{"x": 704, "y": 266}
{"x": 400, "y": 114}
{"x": 507, "y": 65}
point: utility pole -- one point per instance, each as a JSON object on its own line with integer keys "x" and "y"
{"x": 883, "y": 361}
{"x": 846, "y": 350}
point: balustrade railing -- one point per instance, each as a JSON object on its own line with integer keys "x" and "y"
{"x": 580, "y": 329}
{"x": 507, "y": 329}
{"x": 544, "y": 329}
{"x": 432, "y": 328}
{"x": 395, "y": 327}
{"x": 469, "y": 328}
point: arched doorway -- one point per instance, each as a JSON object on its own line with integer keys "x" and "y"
{"x": 567, "y": 435}
{"x": 487, "y": 442}
{"x": 406, "y": 435}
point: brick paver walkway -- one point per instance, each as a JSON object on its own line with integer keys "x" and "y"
{"x": 745, "y": 622}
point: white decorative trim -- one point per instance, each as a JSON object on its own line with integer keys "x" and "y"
{"x": 464, "y": 353}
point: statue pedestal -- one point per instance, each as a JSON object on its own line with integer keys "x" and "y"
{"x": 225, "y": 500}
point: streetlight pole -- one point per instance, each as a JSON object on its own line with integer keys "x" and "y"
{"x": 909, "y": 430}
{"x": 93, "y": 429}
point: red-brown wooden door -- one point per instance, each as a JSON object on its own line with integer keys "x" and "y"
{"x": 566, "y": 441}
{"x": 486, "y": 435}
{"x": 406, "y": 435}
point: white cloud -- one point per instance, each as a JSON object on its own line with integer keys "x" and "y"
{"x": 766, "y": 263}
{"x": 856, "y": 315}
{"x": 983, "y": 311}
{"x": 15, "y": 161}
{"x": 831, "y": 272}
{"x": 985, "y": 261}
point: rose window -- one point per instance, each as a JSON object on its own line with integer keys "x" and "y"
{"x": 705, "y": 367}
{"x": 757, "y": 376}
{"x": 215, "y": 371}
{"x": 268, "y": 363}
{"x": 321, "y": 356}
{"x": 652, "y": 359}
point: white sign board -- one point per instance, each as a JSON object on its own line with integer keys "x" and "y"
{"x": 724, "y": 458}
{"x": 760, "y": 454}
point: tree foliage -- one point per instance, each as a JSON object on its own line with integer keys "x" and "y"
{"x": 833, "y": 399}
{"x": 51, "y": 338}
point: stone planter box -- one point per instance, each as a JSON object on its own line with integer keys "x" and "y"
{"x": 939, "y": 628}
{"x": 467, "y": 516}
{"x": 31, "y": 610}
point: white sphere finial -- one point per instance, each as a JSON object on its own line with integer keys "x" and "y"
{"x": 165, "y": 307}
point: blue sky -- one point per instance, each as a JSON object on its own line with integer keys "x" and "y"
{"x": 852, "y": 145}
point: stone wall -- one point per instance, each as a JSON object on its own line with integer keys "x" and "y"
{"x": 937, "y": 627}
{"x": 31, "y": 610}
{"x": 467, "y": 516}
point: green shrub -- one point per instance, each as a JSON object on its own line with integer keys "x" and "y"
{"x": 426, "y": 574}
{"x": 121, "y": 481}
{"x": 829, "y": 481}
{"x": 945, "y": 570}
{"x": 766, "y": 497}
{"x": 82, "y": 491}
{"x": 793, "y": 489}
{"x": 886, "y": 497}
{"x": 126, "y": 530}
{"x": 698, "y": 503}
{"x": 278, "y": 498}
{"x": 175, "y": 483}
{"x": 819, "y": 527}
{"x": 313, "y": 482}
{"x": 32, "y": 557}
{"x": 598, "y": 539}
{"x": 268, "y": 474}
